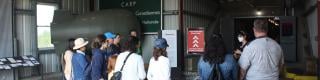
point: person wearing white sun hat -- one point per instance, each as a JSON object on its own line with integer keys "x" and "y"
{"x": 79, "y": 61}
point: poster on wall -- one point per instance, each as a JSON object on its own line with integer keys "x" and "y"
{"x": 147, "y": 11}
{"x": 195, "y": 40}
{"x": 172, "y": 39}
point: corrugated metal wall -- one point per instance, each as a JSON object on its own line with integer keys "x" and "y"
{"x": 313, "y": 25}
{"x": 25, "y": 28}
{"x": 199, "y": 13}
{"x": 6, "y": 39}
{"x": 50, "y": 61}
{"x": 76, "y": 6}
{"x": 171, "y": 20}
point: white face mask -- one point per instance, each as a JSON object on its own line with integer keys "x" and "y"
{"x": 240, "y": 39}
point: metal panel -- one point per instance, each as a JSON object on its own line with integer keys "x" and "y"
{"x": 171, "y": 22}
{"x": 171, "y": 5}
{"x": 26, "y": 35}
{"x": 6, "y": 42}
{"x": 147, "y": 47}
{"x": 24, "y": 4}
{"x": 50, "y": 61}
{"x": 199, "y": 13}
{"x": 76, "y": 6}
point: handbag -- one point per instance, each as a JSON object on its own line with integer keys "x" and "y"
{"x": 117, "y": 75}
{"x": 216, "y": 73}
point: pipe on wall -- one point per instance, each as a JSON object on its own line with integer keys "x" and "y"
{"x": 318, "y": 3}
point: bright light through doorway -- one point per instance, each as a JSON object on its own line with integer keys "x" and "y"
{"x": 45, "y": 14}
{"x": 44, "y": 18}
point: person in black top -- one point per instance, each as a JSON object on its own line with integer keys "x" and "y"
{"x": 243, "y": 39}
{"x": 116, "y": 44}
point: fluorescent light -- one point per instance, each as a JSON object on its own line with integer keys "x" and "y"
{"x": 259, "y": 13}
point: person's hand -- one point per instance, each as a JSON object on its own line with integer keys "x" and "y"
{"x": 104, "y": 46}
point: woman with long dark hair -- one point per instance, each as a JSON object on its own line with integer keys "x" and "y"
{"x": 159, "y": 65}
{"x": 98, "y": 61}
{"x": 67, "y": 57}
{"x": 133, "y": 68}
{"x": 216, "y": 55}
{"x": 243, "y": 38}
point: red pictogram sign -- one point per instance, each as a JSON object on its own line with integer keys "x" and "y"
{"x": 195, "y": 40}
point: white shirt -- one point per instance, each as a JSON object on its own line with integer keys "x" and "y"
{"x": 160, "y": 69}
{"x": 68, "y": 66}
{"x": 261, "y": 59}
{"x": 133, "y": 68}
{"x": 78, "y": 51}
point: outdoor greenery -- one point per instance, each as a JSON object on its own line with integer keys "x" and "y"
{"x": 44, "y": 39}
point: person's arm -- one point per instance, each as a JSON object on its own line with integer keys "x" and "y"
{"x": 97, "y": 61}
{"x": 150, "y": 68}
{"x": 244, "y": 62}
{"x": 141, "y": 71}
{"x": 282, "y": 72}
{"x": 118, "y": 64}
{"x": 242, "y": 74}
{"x": 199, "y": 68}
{"x": 235, "y": 70}
{"x": 166, "y": 70}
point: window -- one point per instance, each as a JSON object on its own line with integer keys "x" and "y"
{"x": 45, "y": 14}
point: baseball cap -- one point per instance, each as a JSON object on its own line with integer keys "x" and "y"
{"x": 109, "y": 35}
{"x": 161, "y": 43}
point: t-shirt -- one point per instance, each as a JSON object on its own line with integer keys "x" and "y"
{"x": 261, "y": 59}
{"x": 159, "y": 69}
{"x": 133, "y": 68}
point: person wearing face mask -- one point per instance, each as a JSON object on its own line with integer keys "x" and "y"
{"x": 243, "y": 39}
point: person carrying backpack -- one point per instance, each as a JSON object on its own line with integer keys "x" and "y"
{"x": 216, "y": 63}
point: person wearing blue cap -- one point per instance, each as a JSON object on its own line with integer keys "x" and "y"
{"x": 159, "y": 65}
{"x": 109, "y": 37}
{"x": 111, "y": 48}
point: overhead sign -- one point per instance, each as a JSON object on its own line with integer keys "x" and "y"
{"x": 147, "y": 11}
{"x": 195, "y": 41}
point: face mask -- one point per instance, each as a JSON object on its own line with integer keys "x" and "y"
{"x": 240, "y": 39}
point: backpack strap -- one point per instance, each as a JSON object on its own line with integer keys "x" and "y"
{"x": 125, "y": 60}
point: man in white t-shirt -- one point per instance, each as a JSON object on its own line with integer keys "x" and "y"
{"x": 263, "y": 58}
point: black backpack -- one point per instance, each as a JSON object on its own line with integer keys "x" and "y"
{"x": 117, "y": 75}
{"x": 216, "y": 73}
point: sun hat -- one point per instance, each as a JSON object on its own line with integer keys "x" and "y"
{"x": 79, "y": 42}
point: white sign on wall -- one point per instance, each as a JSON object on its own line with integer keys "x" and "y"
{"x": 172, "y": 39}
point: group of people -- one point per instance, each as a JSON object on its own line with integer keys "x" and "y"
{"x": 109, "y": 57}
{"x": 260, "y": 59}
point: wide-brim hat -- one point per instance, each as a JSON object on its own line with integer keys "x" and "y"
{"x": 79, "y": 42}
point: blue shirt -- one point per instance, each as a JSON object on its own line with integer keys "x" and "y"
{"x": 98, "y": 65}
{"x": 229, "y": 68}
{"x": 79, "y": 64}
